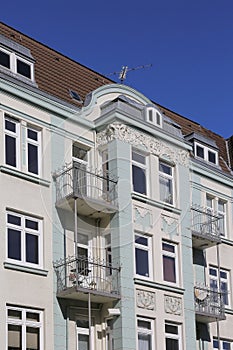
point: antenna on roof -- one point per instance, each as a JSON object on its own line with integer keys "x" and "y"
{"x": 125, "y": 69}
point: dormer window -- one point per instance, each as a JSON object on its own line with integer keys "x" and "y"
{"x": 205, "y": 153}
{"x": 16, "y": 64}
{"x": 153, "y": 117}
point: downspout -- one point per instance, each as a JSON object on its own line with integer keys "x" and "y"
{"x": 219, "y": 289}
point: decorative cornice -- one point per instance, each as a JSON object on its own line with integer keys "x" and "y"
{"x": 122, "y": 132}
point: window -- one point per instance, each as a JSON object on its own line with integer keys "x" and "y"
{"x": 172, "y": 336}
{"x": 224, "y": 344}
{"x": 108, "y": 253}
{"x": 14, "y": 144}
{"x": 139, "y": 172}
{"x": 105, "y": 170}
{"x": 206, "y": 153}
{"x": 166, "y": 182}
{"x": 153, "y": 116}
{"x": 24, "y": 329}
{"x": 82, "y": 177}
{"x": 109, "y": 335}
{"x": 145, "y": 334}
{"x": 24, "y": 239}
{"x": 169, "y": 262}
{"x": 143, "y": 256}
{"x": 83, "y": 336}
{"x": 216, "y": 215}
{"x": 224, "y": 284}
{"x": 16, "y": 64}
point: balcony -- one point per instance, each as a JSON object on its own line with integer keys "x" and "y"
{"x": 78, "y": 277}
{"x": 94, "y": 194}
{"x": 205, "y": 228}
{"x": 209, "y": 305}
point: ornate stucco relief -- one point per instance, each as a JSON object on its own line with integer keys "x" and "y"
{"x": 118, "y": 131}
{"x": 145, "y": 299}
{"x": 169, "y": 225}
{"x": 142, "y": 217}
{"x": 172, "y": 305}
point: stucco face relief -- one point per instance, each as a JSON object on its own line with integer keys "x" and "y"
{"x": 145, "y": 300}
{"x": 122, "y": 132}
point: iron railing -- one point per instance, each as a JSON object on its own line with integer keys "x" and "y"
{"x": 205, "y": 222}
{"x": 209, "y": 302}
{"x": 87, "y": 273}
{"x": 78, "y": 181}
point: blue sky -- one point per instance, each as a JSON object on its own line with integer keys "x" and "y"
{"x": 188, "y": 43}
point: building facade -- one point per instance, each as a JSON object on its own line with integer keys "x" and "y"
{"x": 125, "y": 239}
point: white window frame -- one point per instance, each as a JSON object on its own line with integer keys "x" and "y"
{"x": 109, "y": 334}
{"x": 22, "y": 144}
{"x": 222, "y": 280}
{"x": 212, "y": 205}
{"x": 13, "y": 64}
{"x": 153, "y": 116}
{"x": 169, "y": 177}
{"x": 24, "y": 323}
{"x": 24, "y": 230}
{"x": 222, "y": 341}
{"x": 206, "y": 151}
{"x": 146, "y": 331}
{"x": 143, "y": 166}
{"x": 173, "y": 255}
{"x": 146, "y": 248}
{"x": 36, "y": 143}
{"x": 85, "y": 331}
{"x": 174, "y": 336}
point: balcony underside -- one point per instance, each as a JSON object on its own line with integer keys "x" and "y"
{"x": 203, "y": 241}
{"x": 82, "y": 294}
{"x": 205, "y": 317}
{"x": 87, "y": 206}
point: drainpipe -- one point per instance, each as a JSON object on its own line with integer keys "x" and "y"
{"x": 89, "y": 320}
{"x": 219, "y": 289}
{"x": 67, "y": 327}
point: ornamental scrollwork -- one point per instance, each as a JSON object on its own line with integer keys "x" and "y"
{"x": 145, "y": 300}
{"x": 122, "y": 132}
{"x": 172, "y": 305}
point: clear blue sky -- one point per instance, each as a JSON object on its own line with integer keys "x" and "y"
{"x": 188, "y": 43}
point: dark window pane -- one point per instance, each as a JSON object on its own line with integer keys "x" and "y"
{"x": 32, "y": 159}
{"x": 138, "y": 158}
{"x": 142, "y": 266}
{"x": 168, "y": 247}
{"x": 33, "y": 316}
{"x": 24, "y": 69}
{"x": 169, "y": 272}
{"x": 14, "y": 244}
{"x": 14, "y": 337}
{"x": 32, "y": 338}
{"x": 32, "y": 248}
{"x": 9, "y": 125}
{"x": 211, "y": 157}
{"x": 32, "y": 134}
{"x": 200, "y": 151}
{"x": 83, "y": 342}
{"x": 141, "y": 240}
{"x": 10, "y": 150}
{"x": 14, "y": 314}
{"x": 78, "y": 152}
{"x": 213, "y": 272}
{"x": 226, "y": 345}
{"x": 13, "y": 219}
{"x": 144, "y": 342}
{"x": 139, "y": 180}
{"x": 172, "y": 344}
{"x": 169, "y": 328}
{"x": 32, "y": 224}
{"x": 4, "y": 59}
{"x": 144, "y": 324}
{"x": 164, "y": 168}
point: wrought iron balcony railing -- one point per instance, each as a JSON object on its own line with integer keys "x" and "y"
{"x": 87, "y": 275}
{"x": 209, "y": 304}
{"x": 78, "y": 181}
{"x": 206, "y": 225}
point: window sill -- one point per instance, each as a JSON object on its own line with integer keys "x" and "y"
{"x": 155, "y": 203}
{"x": 157, "y": 285}
{"x": 20, "y": 174}
{"x": 35, "y": 271}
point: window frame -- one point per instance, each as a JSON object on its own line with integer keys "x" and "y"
{"x": 146, "y": 331}
{"x": 222, "y": 280}
{"x": 170, "y": 178}
{"x": 174, "y": 256}
{"x": 221, "y": 343}
{"x": 143, "y": 167}
{"x": 152, "y": 115}
{"x": 213, "y": 209}
{"x": 24, "y": 323}
{"x": 206, "y": 151}
{"x": 145, "y": 248}
{"x": 36, "y": 143}
{"x": 177, "y": 336}
{"x": 23, "y": 232}
{"x": 17, "y": 136}
{"x": 14, "y": 57}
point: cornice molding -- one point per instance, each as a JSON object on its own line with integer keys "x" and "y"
{"x": 122, "y": 132}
